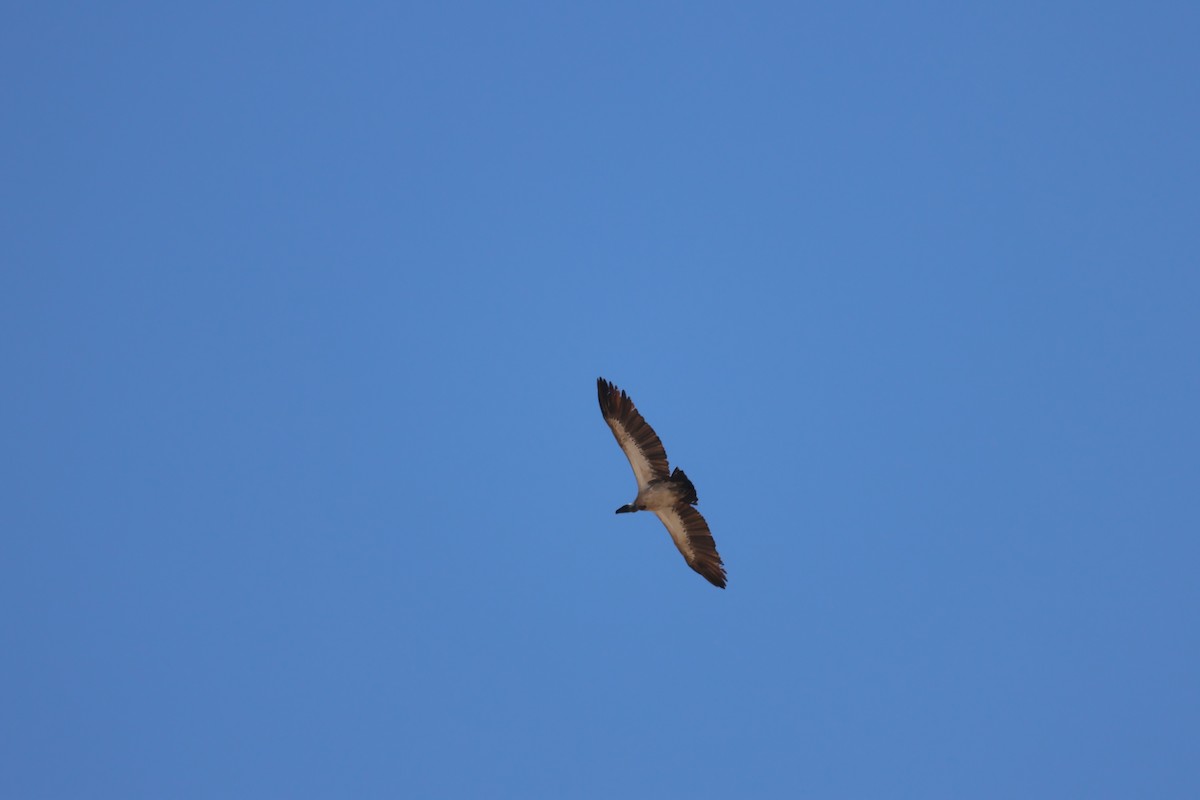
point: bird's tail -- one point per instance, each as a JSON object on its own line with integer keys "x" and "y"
{"x": 687, "y": 492}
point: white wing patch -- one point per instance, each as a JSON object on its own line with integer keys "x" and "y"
{"x": 637, "y": 459}
{"x": 674, "y": 524}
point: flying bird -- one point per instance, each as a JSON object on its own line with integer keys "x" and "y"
{"x": 670, "y": 495}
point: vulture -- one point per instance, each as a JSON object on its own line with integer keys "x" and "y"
{"x": 670, "y": 495}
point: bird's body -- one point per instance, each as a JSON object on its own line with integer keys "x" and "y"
{"x": 670, "y": 495}
{"x": 658, "y": 495}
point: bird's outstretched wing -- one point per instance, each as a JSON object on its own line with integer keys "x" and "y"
{"x": 692, "y": 537}
{"x": 639, "y": 441}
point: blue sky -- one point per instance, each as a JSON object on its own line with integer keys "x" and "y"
{"x": 306, "y": 492}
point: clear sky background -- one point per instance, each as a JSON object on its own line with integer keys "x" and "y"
{"x": 305, "y": 488}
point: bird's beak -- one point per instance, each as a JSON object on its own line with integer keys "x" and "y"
{"x": 625, "y": 509}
